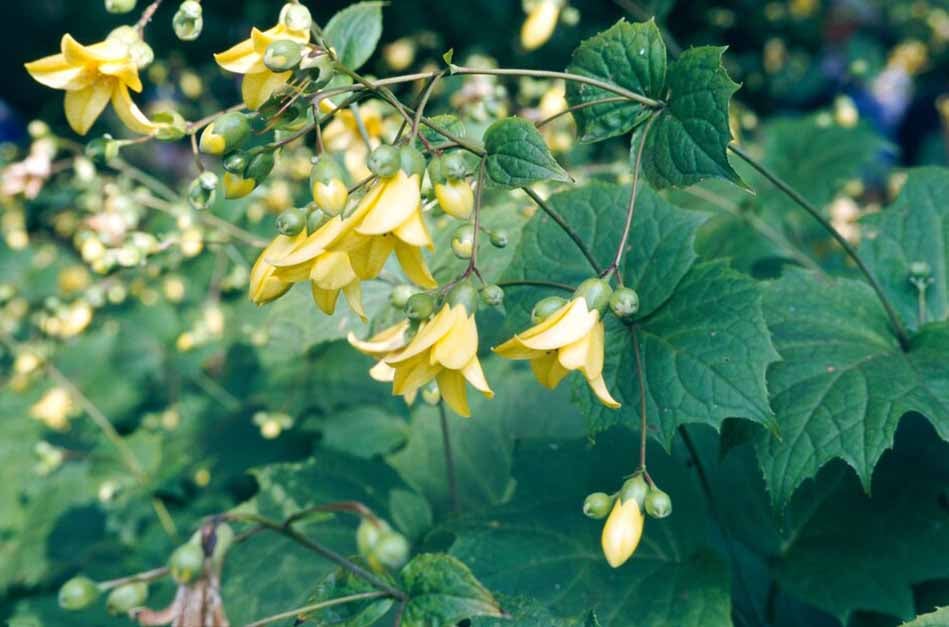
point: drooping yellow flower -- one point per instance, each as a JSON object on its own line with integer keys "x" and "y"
{"x": 247, "y": 58}
{"x": 571, "y": 338}
{"x": 92, "y": 76}
{"x": 379, "y": 346}
{"x": 445, "y": 350}
{"x": 265, "y": 285}
{"x": 622, "y": 532}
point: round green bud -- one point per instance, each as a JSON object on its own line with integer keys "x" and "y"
{"x": 492, "y": 295}
{"x": 326, "y": 169}
{"x": 597, "y": 505}
{"x": 419, "y": 306}
{"x": 465, "y": 295}
{"x": 463, "y": 241}
{"x": 190, "y": 9}
{"x": 546, "y": 307}
{"x": 412, "y": 161}
{"x": 392, "y": 550}
{"x": 225, "y": 134}
{"x": 316, "y": 219}
{"x": 368, "y": 534}
{"x": 102, "y": 150}
{"x": 431, "y": 394}
{"x": 171, "y": 126}
{"x": 596, "y": 292}
{"x": 283, "y": 55}
{"x": 201, "y": 193}
{"x": 236, "y": 163}
{"x": 436, "y": 170}
{"x": 500, "y": 238}
{"x": 920, "y": 270}
{"x": 120, "y": 6}
{"x": 260, "y": 166}
{"x": 384, "y": 161}
{"x": 290, "y": 222}
{"x": 401, "y": 294}
{"x": 187, "y": 563}
{"x": 78, "y": 593}
{"x": 296, "y": 17}
{"x": 125, "y": 598}
{"x": 454, "y": 165}
{"x": 624, "y": 302}
{"x": 658, "y": 503}
{"x": 186, "y": 28}
{"x": 635, "y": 489}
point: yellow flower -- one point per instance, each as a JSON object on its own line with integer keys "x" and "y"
{"x": 380, "y": 346}
{"x": 622, "y": 532}
{"x": 92, "y": 76}
{"x": 456, "y": 198}
{"x": 444, "y": 349}
{"x": 540, "y": 24}
{"x": 265, "y": 286}
{"x": 54, "y": 409}
{"x": 247, "y": 58}
{"x": 571, "y": 338}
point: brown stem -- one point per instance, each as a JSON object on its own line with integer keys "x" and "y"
{"x": 643, "y": 421}
{"x": 147, "y": 16}
{"x": 579, "y": 107}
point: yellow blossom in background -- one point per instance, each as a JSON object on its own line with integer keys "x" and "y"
{"x": 54, "y": 409}
{"x": 92, "y": 76}
{"x": 622, "y": 532}
{"x": 540, "y": 24}
{"x": 445, "y": 350}
{"x": 247, "y": 58}
{"x": 571, "y": 338}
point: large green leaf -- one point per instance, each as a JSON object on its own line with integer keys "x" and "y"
{"x": 914, "y": 228}
{"x": 632, "y": 56}
{"x": 517, "y": 154}
{"x": 844, "y": 383}
{"x": 442, "y": 591}
{"x": 688, "y": 141}
{"x": 354, "y": 32}
{"x": 542, "y": 547}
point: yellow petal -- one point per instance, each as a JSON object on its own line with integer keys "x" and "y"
{"x": 622, "y": 532}
{"x": 414, "y": 231}
{"x": 429, "y": 333}
{"x": 262, "y": 40}
{"x": 84, "y": 106}
{"x": 573, "y": 356}
{"x": 382, "y": 372}
{"x": 456, "y": 198}
{"x": 515, "y": 349}
{"x": 237, "y": 187}
{"x": 53, "y": 71}
{"x": 264, "y": 286}
{"x": 242, "y": 58}
{"x": 353, "y": 294}
{"x": 575, "y": 323}
{"x": 413, "y": 265}
{"x": 325, "y": 299}
{"x": 598, "y": 385}
{"x": 126, "y": 71}
{"x": 332, "y": 271}
{"x": 131, "y": 116}
{"x": 456, "y": 348}
{"x": 371, "y": 253}
{"x": 413, "y": 374}
{"x": 548, "y": 370}
{"x": 399, "y": 197}
{"x": 475, "y": 376}
{"x": 102, "y": 52}
{"x": 386, "y": 341}
{"x": 258, "y": 87}
{"x": 452, "y": 387}
{"x": 313, "y": 245}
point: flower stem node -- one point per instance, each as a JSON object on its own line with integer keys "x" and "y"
{"x": 419, "y": 306}
{"x": 597, "y": 505}
{"x": 283, "y": 55}
{"x": 624, "y": 302}
{"x": 203, "y": 190}
{"x": 492, "y": 295}
{"x": 125, "y": 598}
{"x": 120, "y": 6}
{"x": 225, "y": 134}
{"x": 291, "y": 222}
{"x": 463, "y": 241}
{"x": 465, "y": 295}
{"x": 544, "y": 308}
{"x": 187, "y": 563}
{"x": 658, "y": 503}
{"x": 596, "y": 292}
{"x": 401, "y": 294}
{"x": 78, "y": 593}
{"x": 635, "y": 489}
{"x": 384, "y": 161}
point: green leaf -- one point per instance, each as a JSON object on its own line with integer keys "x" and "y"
{"x": 341, "y": 583}
{"x": 354, "y": 32}
{"x": 914, "y": 228}
{"x": 447, "y": 122}
{"x": 540, "y": 546}
{"x": 705, "y": 353}
{"x": 442, "y": 591}
{"x": 843, "y": 384}
{"x": 688, "y": 141}
{"x": 518, "y": 154}
{"x": 364, "y": 431}
{"x": 939, "y": 618}
{"x": 632, "y": 56}
{"x": 411, "y": 513}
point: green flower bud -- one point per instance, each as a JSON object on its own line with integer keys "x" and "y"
{"x": 597, "y": 505}
{"x": 283, "y": 55}
{"x": 325, "y": 170}
{"x": 544, "y": 308}
{"x": 368, "y": 534}
{"x": 102, "y": 150}
{"x": 500, "y": 238}
{"x": 187, "y": 563}
{"x": 125, "y": 598}
{"x": 454, "y": 165}
{"x": 225, "y": 134}
{"x": 658, "y": 503}
{"x": 171, "y": 126}
{"x": 315, "y": 220}
{"x": 296, "y": 17}
{"x": 260, "y": 167}
{"x": 492, "y": 295}
{"x": 203, "y": 190}
{"x": 419, "y": 306}
{"x": 188, "y": 21}
{"x": 401, "y": 294}
{"x": 120, "y": 6}
{"x": 464, "y": 294}
{"x": 436, "y": 171}
{"x": 412, "y": 161}
{"x": 291, "y": 222}
{"x": 78, "y": 593}
{"x": 636, "y": 488}
{"x": 392, "y": 550}
{"x": 236, "y": 163}
{"x": 463, "y": 241}
{"x": 384, "y": 161}
{"x": 920, "y": 270}
{"x": 624, "y": 302}
{"x": 596, "y": 292}
{"x": 431, "y": 394}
